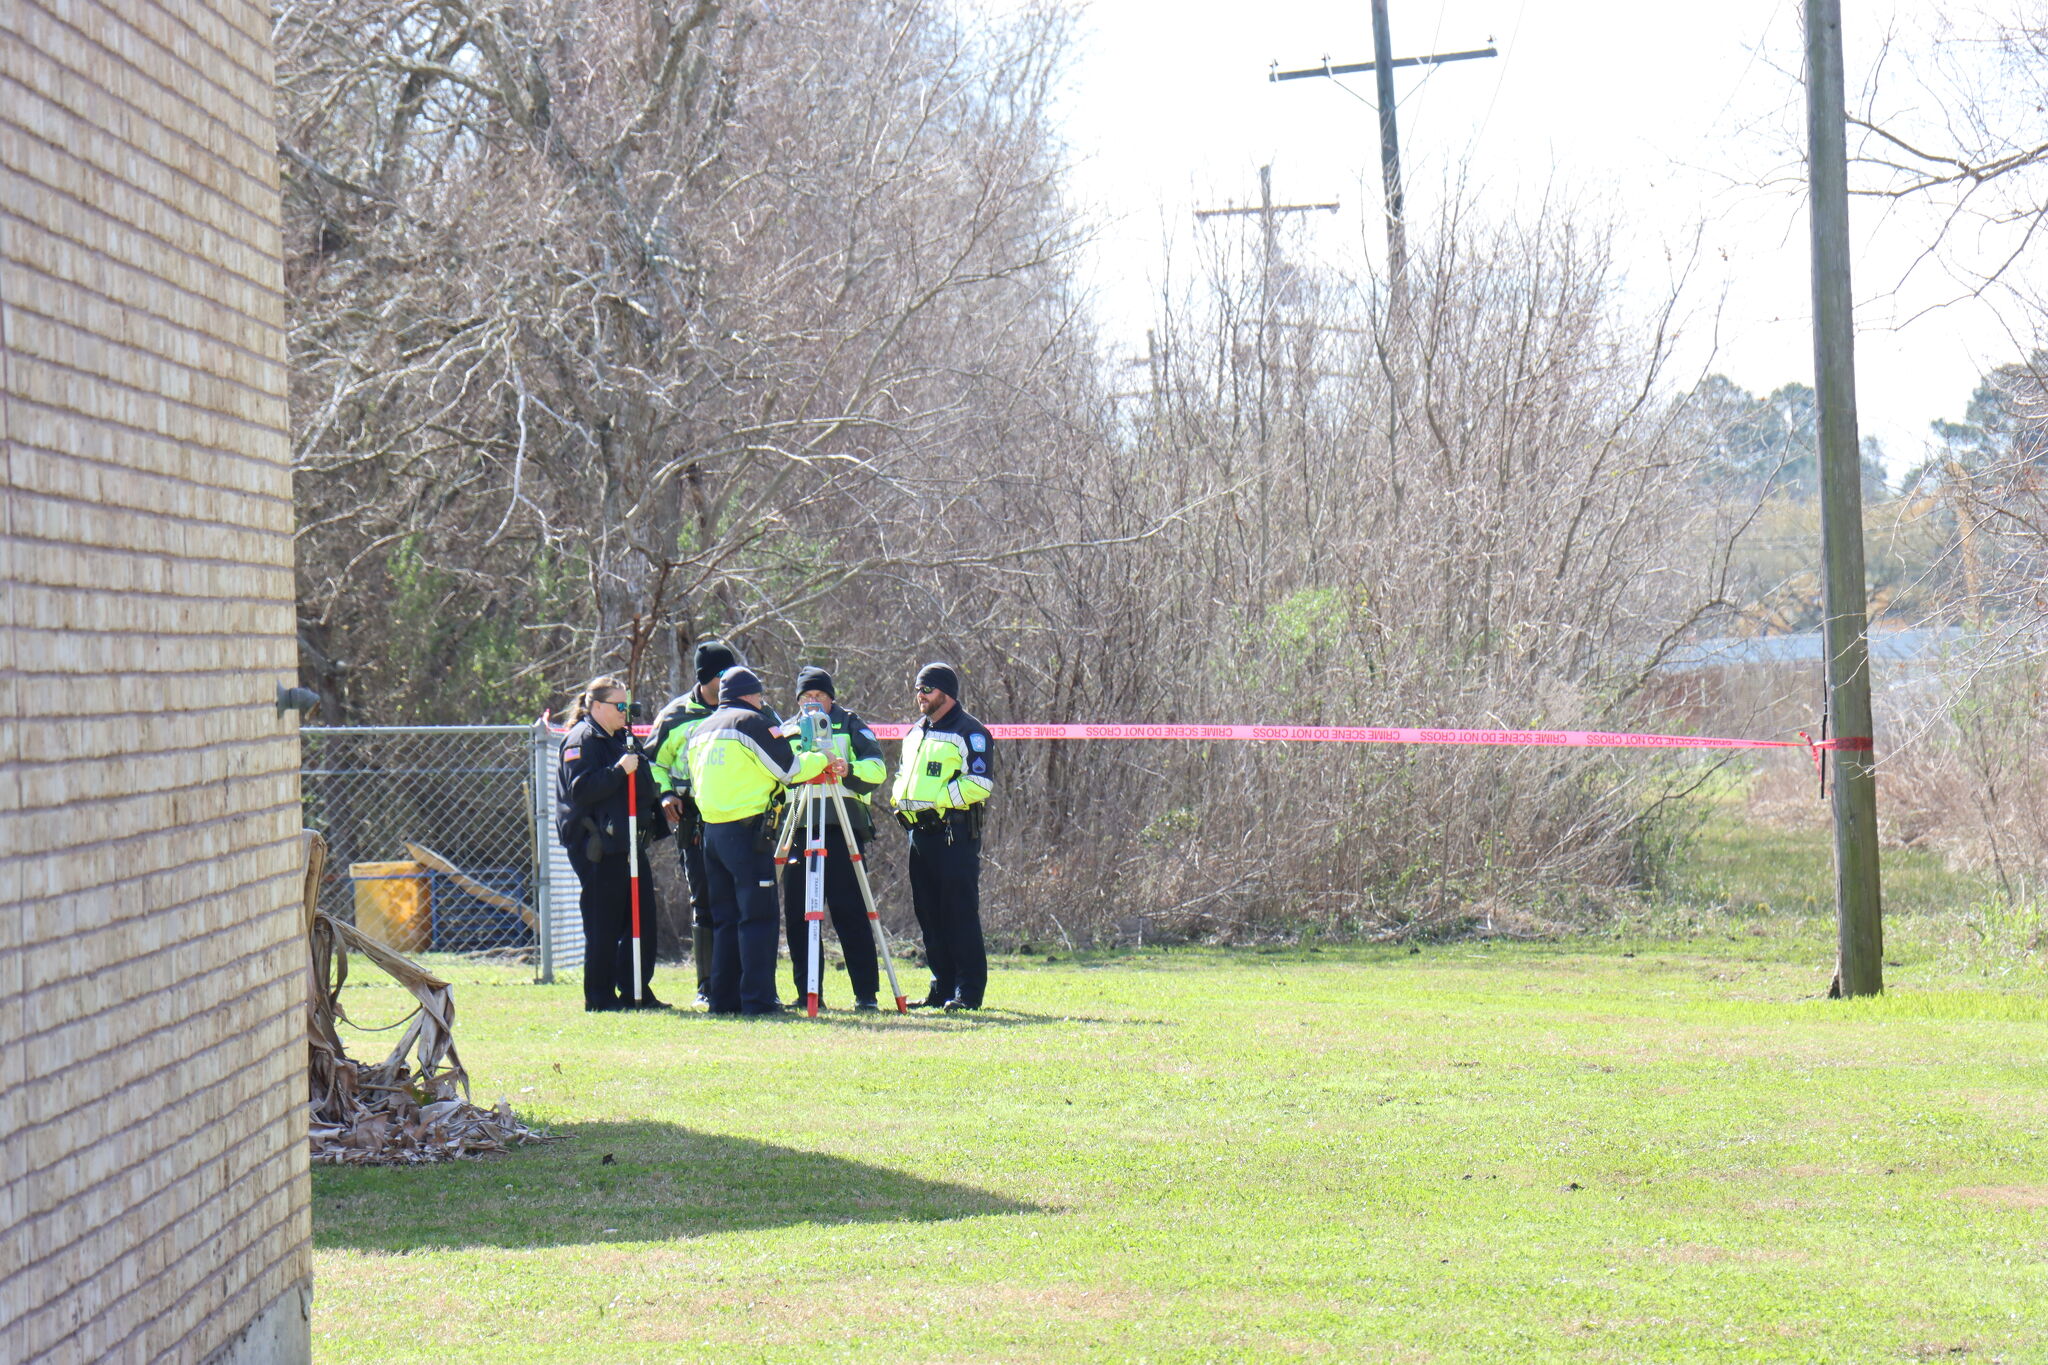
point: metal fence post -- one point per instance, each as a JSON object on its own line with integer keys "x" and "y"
{"x": 539, "y": 812}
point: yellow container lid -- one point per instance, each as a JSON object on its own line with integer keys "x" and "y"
{"x": 370, "y": 871}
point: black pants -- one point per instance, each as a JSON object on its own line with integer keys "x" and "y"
{"x": 607, "y": 904}
{"x": 741, "y": 881}
{"x": 945, "y": 891}
{"x": 849, "y": 918}
{"x": 692, "y": 855}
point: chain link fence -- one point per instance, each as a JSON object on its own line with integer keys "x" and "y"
{"x": 441, "y": 839}
{"x": 430, "y": 832}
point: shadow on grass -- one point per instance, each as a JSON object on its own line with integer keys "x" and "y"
{"x": 938, "y": 1021}
{"x": 664, "y": 1181}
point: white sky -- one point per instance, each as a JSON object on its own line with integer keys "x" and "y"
{"x": 1660, "y": 115}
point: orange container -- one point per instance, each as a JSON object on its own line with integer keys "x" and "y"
{"x": 392, "y": 904}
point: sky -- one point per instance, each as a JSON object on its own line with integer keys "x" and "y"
{"x": 1683, "y": 125}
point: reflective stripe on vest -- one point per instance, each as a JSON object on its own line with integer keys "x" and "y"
{"x": 733, "y": 778}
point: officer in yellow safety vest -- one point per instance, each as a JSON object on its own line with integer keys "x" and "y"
{"x": 739, "y": 767}
{"x": 943, "y": 780}
{"x": 669, "y": 743}
{"x": 854, "y": 743}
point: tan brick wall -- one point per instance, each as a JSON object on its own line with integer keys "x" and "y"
{"x": 153, "y": 1185}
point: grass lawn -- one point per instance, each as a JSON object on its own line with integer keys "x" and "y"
{"x": 1653, "y": 1145}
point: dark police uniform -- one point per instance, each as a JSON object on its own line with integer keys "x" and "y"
{"x": 946, "y": 774}
{"x": 738, "y": 769}
{"x": 669, "y": 743}
{"x": 590, "y": 820}
{"x": 853, "y": 741}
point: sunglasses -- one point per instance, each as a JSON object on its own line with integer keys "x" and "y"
{"x": 927, "y": 691}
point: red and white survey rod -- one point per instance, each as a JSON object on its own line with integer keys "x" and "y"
{"x": 633, "y": 864}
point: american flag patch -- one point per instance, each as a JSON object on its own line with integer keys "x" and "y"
{"x": 571, "y": 755}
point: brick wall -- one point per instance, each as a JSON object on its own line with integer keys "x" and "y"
{"x": 153, "y": 1185}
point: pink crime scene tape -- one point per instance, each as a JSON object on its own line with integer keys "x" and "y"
{"x": 1396, "y": 734}
{"x": 1377, "y": 734}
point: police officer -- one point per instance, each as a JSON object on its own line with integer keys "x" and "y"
{"x": 597, "y": 763}
{"x": 739, "y": 767}
{"x": 669, "y": 743}
{"x": 943, "y": 781}
{"x": 855, "y": 744}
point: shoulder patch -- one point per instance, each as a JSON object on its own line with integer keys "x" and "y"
{"x": 977, "y": 766}
{"x": 868, "y": 734}
{"x": 571, "y": 755}
{"x": 977, "y": 742}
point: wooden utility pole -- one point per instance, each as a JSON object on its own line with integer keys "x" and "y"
{"x": 1269, "y": 233}
{"x": 1154, "y": 360}
{"x": 1859, "y": 911}
{"x": 1382, "y": 65}
{"x": 1390, "y": 145}
{"x": 1269, "y": 321}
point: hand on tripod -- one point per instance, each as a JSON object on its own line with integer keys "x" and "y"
{"x": 837, "y": 769}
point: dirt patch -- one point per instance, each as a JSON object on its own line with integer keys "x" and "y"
{"x": 2005, "y": 1196}
{"x": 1701, "y": 1253}
{"x": 1782, "y": 1204}
{"x": 2006, "y": 1104}
{"x": 1070, "y": 1302}
{"x": 1691, "y": 1253}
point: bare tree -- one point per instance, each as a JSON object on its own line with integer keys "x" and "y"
{"x": 618, "y": 324}
{"x": 1482, "y": 512}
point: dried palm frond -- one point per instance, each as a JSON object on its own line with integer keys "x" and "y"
{"x": 413, "y": 1107}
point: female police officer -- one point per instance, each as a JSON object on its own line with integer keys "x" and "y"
{"x": 590, "y": 819}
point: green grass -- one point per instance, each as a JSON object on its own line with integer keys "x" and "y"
{"x": 1741, "y": 880}
{"x": 1656, "y": 1144}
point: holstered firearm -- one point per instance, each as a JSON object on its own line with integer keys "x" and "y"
{"x": 689, "y": 820}
{"x": 926, "y": 819}
{"x": 766, "y": 826}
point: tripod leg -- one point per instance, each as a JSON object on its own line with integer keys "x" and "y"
{"x": 814, "y": 897}
{"x": 788, "y": 834}
{"x": 867, "y": 895}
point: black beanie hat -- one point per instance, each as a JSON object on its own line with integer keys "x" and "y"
{"x": 737, "y": 682}
{"x": 942, "y": 677}
{"x": 713, "y": 658}
{"x": 813, "y": 678}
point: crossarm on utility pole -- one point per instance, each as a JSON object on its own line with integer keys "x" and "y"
{"x": 1354, "y": 68}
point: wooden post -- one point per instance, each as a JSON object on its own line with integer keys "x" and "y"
{"x": 1859, "y": 913}
{"x": 1390, "y": 147}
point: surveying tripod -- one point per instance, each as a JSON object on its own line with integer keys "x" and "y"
{"x": 809, "y": 810}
